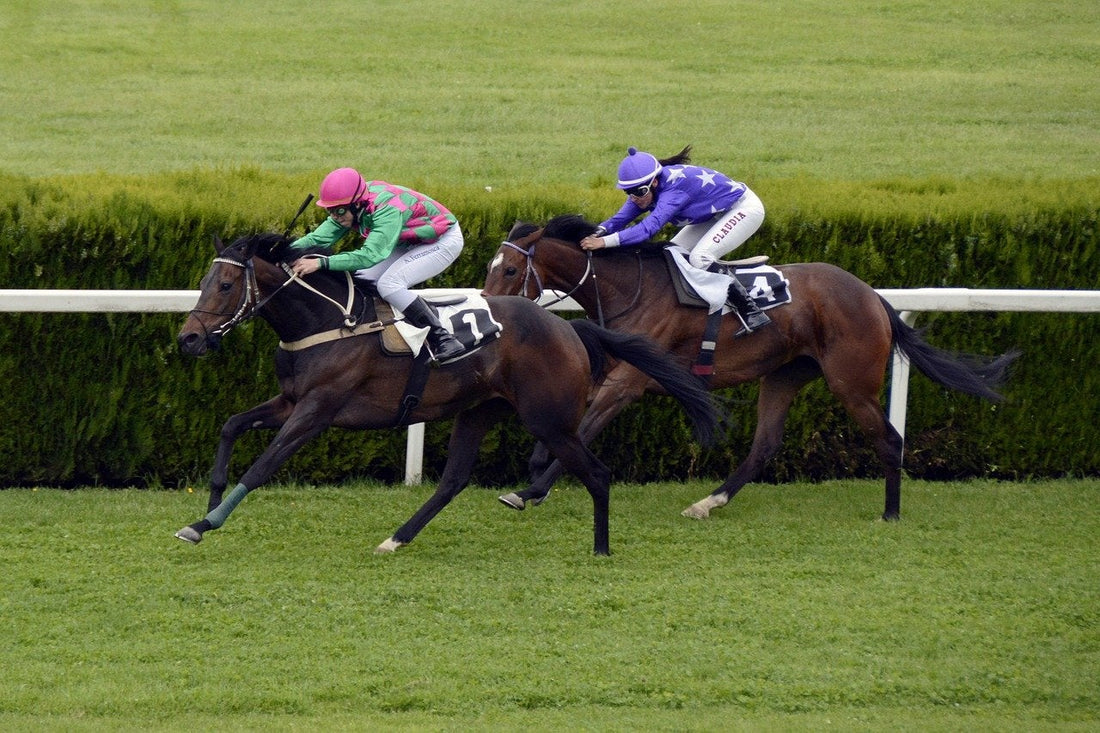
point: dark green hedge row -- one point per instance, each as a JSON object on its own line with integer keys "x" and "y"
{"x": 106, "y": 398}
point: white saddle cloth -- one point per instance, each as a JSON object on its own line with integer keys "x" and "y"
{"x": 710, "y": 286}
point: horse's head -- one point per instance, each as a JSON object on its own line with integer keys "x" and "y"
{"x": 512, "y": 269}
{"x": 532, "y": 259}
{"x": 229, "y": 293}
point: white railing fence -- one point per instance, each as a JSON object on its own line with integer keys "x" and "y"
{"x": 909, "y": 302}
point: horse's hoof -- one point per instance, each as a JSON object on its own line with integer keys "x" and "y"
{"x": 388, "y": 547}
{"x": 891, "y": 517}
{"x": 187, "y": 534}
{"x": 512, "y": 500}
{"x": 696, "y": 512}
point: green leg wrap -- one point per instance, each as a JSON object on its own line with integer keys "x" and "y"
{"x": 218, "y": 516}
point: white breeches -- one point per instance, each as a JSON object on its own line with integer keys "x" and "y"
{"x": 724, "y": 233}
{"x": 409, "y": 266}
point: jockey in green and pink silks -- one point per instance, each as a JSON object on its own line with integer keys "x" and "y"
{"x": 407, "y": 238}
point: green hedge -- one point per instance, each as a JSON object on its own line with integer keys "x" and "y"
{"x": 106, "y": 398}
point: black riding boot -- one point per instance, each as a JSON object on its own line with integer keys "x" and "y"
{"x": 442, "y": 344}
{"x": 751, "y": 315}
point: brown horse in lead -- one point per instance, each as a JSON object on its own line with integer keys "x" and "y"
{"x": 836, "y": 327}
{"x": 333, "y": 375}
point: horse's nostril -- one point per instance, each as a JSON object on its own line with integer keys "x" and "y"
{"x": 191, "y": 343}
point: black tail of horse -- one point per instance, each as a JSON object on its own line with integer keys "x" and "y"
{"x": 643, "y": 354}
{"x": 969, "y": 373}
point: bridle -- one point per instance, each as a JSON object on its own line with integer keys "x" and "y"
{"x": 532, "y": 275}
{"x": 251, "y": 302}
{"x": 245, "y": 310}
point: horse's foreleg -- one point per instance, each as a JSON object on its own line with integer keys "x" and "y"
{"x": 624, "y": 385}
{"x": 537, "y": 492}
{"x": 303, "y": 426}
{"x": 469, "y": 430}
{"x": 270, "y": 415}
{"x": 777, "y": 392}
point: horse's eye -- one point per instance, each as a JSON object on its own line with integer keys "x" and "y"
{"x": 509, "y": 271}
{"x": 226, "y": 286}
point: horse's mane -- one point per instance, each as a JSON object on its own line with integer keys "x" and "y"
{"x": 570, "y": 227}
{"x": 274, "y": 247}
{"x": 574, "y": 228}
{"x": 521, "y": 229}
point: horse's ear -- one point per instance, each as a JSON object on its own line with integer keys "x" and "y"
{"x": 219, "y": 246}
{"x": 521, "y": 229}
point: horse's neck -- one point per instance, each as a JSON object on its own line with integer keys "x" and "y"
{"x": 612, "y": 284}
{"x": 294, "y": 311}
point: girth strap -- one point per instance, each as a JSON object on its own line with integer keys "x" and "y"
{"x": 335, "y": 334}
{"x": 414, "y": 387}
{"x": 704, "y": 363}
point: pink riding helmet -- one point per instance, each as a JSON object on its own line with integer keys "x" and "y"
{"x": 637, "y": 169}
{"x": 342, "y": 186}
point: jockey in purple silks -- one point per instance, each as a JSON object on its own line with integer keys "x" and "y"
{"x": 717, "y": 215}
{"x": 407, "y": 238}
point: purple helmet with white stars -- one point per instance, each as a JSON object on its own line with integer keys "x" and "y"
{"x": 637, "y": 169}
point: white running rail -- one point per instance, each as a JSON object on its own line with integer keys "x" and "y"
{"x": 907, "y": 301}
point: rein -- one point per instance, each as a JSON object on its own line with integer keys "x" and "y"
{"x": 589, "y": 271}
{"x": 251, "y": 302}
{"x": 532, "y": 273}
{"x": 350, "y": 319}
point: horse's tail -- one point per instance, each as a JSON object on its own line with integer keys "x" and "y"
{"x": 641, "y": 353}
{"x": 970, "y": 373}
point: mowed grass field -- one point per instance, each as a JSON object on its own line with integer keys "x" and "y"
{"x": 507, "y": 94}
{"x": 793, "y": 608}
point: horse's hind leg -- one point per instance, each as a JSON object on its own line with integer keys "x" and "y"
{"x": 855, "y": 374}
{"x": 865, "y": 409}
{"x": 624, "y": 384}
{"x": 469, "y": 430}
{"x": 777, "y": 392}
{"x": 596, "y": 477}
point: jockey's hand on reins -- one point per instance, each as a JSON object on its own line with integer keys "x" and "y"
{"x": 306, "y": 265}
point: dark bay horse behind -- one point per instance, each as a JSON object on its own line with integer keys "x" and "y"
{"x": 541, "y": 366}
{"x": 837, "y": 327}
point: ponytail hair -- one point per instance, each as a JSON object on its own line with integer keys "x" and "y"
{"x": 684, "y": 156}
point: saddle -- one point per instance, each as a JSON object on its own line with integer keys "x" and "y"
{"x": 402, "y": 339}
{"x": 467, "y": 317}
{"x": 764, "y": 284}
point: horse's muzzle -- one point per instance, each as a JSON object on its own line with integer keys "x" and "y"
{"x": 194, "y": 343}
